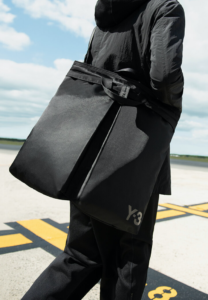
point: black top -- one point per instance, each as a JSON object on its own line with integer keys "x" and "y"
{"x": 146, "y": 36}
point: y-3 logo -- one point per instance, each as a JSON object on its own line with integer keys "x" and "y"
{"x": 137, "y": 215}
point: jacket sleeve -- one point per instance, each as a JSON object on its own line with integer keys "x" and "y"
{"x": 166, "y": 52}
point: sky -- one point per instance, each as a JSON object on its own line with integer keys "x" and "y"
{"x": 39, "y": 41}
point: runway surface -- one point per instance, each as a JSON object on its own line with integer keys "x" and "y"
{"x": 33, "y": 231}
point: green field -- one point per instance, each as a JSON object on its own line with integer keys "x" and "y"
{"x": 190, "y": 157}
{"x": 15, "y": 142}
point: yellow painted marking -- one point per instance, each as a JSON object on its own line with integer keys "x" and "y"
{"x": 184, "y": 209}
{"x": 13, "y": 240}
{"x": 200, "y": 207}
{"x": 171, "y": 293}
{"x": 168, "y": 213}
{"x": 49, "y": 233}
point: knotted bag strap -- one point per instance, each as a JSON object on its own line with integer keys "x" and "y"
{"x": 126, "y": 96}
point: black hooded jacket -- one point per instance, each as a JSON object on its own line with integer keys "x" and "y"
{"x": 147, "y": 36}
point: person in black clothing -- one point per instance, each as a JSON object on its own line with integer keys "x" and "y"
{"x": 147, "y": 36}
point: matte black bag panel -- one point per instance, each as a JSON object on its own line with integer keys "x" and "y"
{"x": 64, "y": 144}
{"x": 56, "y": 143}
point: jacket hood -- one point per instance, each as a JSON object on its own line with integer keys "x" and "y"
{"x": 111, "y": 12}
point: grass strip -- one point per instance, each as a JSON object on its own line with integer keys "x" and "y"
{"x": 190, "y": 158}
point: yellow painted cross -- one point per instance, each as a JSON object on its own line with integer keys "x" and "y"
{"x": 176, "y": 210}
{"x": 185, "y": 210}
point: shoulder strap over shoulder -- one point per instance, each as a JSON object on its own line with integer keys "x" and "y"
{"x": 89, "y": 45}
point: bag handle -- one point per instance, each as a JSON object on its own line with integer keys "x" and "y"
{"x": 89, "y": 45}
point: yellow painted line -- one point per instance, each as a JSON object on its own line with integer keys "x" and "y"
{"x": 168, "y": 214}
{"x": 200, "y": 207}
{"x": 13, "y": 240}
{"x": 185, "y": 209}
{"x": 47, "y": 232}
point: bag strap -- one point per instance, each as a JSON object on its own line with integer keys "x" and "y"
{"x": 126, "y": 97}
{"x": 89, "y": 45}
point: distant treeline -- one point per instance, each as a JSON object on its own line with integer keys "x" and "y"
{"x": 199, "y": 158}
{"x": 188, "y": 156}
{"x": 12, "y": 140}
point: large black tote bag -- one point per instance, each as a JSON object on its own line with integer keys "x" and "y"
{"x": 86, "y": 134}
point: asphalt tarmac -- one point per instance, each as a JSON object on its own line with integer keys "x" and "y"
{"x": 33, "y": 230}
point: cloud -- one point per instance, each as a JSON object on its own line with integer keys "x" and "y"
{"x": 25, "y": 91}
{"x": 5, "y": 16}
{"x": 195, "y": 102}
{"x": 30, "y": 76}
{"x": 12, "y": 39}
{"x": 189, "y": 125}
{"x": 76, "y": 16}
{"x": 196, "y": 43}
{"x": 195, "y": 59}
{"x": 9, "y": 37}
{"x": 201, "y": 134}
{"x": 191, "y": 136}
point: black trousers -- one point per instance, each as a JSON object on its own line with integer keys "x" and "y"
{"x": 97, "y": 251}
